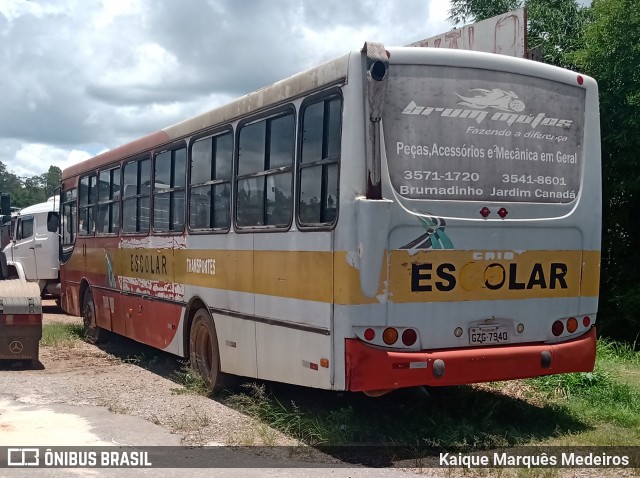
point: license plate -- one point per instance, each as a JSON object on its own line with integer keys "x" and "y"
{"x": 488, "y": 335}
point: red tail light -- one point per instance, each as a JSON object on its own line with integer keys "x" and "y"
{"x": 369, "y": 334}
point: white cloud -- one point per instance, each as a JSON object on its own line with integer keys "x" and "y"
{"x": 38, "y": 157}
{"x": 111, "y": 10}
{"x": 82, "y": 76}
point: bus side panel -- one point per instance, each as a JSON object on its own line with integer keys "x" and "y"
{"x": 104, "y": 302}
{"x": 293, "y": 356}
{"x": 227, "y": 283}
{"x": 237, "y": 345}
{"x": 153, "y": 322}
{"x": 71, "y": 299}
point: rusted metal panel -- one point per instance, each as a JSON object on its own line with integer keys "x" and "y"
{"x": 505, "y": 34}
{"x": 20, "y": 320}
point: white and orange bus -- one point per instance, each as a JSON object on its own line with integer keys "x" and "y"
{"x": 393, "y": 218}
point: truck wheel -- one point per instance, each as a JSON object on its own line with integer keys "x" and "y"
{"x": 204, "y": 354}
{"x": 92, "y": 333}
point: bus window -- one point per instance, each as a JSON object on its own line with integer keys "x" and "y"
{"x": 108, "y": 220}
{"x": 135, "y": 196}
{"x": 86, "y": 226}
{"x": 168, "y": 190}
{"x": 265, "y": 164}
{"x": 320, "y": 156}
{"x": 69, "y": 217}
{"x": 210, "y": 183}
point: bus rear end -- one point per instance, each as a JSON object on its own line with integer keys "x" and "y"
{"x": 491, "y": 169}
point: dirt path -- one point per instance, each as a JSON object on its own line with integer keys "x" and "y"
{"x": 129, "y": 378}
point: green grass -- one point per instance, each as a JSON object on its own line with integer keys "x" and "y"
{"x": 596, "y": 408}
{"x": 292, "y": 419}
{"x": 607, "y": 396}
{"x": 191, "y": 382}
{"x": 61, "y": 335}
{"x": 464, "y": 418}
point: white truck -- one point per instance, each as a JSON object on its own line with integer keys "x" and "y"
{"x": 33, "y": 251}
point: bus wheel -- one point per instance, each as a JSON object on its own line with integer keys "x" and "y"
{"x": 203, "y": 349}
{"x": 92, "y": 333}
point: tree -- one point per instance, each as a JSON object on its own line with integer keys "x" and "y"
{"x": 466, "y": 11}
{"x": 553, "y": 26}
{"x": 28, "y": 191}
{"x": 611, "y": 54}
{"x": 9, "y": 182}
{"x": 51, "y": 180}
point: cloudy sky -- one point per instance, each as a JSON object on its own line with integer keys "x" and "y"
{"x": 83, "y": 76}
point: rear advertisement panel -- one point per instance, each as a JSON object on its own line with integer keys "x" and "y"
{"x": 478, "y": 135}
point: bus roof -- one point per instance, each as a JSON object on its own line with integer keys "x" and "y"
{"x": 332, "y": 72}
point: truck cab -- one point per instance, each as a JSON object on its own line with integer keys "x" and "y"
{"x": 32, "y": 252}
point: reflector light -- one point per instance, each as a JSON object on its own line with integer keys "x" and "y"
{"x": 572, "y": 325}
{"x": 324, "y": 363}
{"x": 484, "y": 212}
{"x": 557, "y": 328}
{"x": 580, "y": 80}
{"x": 586, "y": 321}
{"x": 369, "y": 334}
{"x": 400, "y": 365}
{"x": 503, "y": 212}
{"x": 390, "y": 336}
{"x": 409, "y": 337}
{"x": 20, "y": 319}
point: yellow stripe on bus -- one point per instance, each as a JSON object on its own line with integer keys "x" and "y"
{"x": 450, "y": 275}
{"x": 405, "y": 276}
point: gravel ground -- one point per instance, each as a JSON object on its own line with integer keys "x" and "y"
{"x": 129, "y": 378}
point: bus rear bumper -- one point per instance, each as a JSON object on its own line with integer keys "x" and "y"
{"x": 374, "y": 369}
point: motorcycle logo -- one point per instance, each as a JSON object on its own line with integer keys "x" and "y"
{"x": 496, "y": 98}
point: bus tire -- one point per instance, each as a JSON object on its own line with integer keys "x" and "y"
{"x": 92, "y": 333}
{"x": 204, "y": 354}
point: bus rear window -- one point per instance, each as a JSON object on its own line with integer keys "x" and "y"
{"x": 479, "y": 135}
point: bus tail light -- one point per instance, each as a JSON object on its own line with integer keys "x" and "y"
{"x": 369, "y": 334}
{"x": 571, "y": 325}
{"x": 409, "y": 337}
{"x": 390, "y": 336}
{"x": 557, "y": 328}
